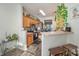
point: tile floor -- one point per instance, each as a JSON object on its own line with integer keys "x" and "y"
{"x": 33, "y": 50}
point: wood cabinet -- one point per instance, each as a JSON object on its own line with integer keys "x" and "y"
{"x": 28, "y": 21}
{"x": 29, "y": 38}
{"x": 34, "y": 22}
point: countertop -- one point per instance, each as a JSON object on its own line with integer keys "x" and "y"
{"x": 56, "y": 33}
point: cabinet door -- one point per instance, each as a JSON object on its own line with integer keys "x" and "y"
{"x": 29, "y": 39}
{"x": 34, "y": 22}
{"x": 26, "y": 22}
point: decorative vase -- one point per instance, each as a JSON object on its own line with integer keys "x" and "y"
{"x": 60, "y": 24}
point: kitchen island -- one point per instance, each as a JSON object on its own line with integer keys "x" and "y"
{"x": 53, "y": 39}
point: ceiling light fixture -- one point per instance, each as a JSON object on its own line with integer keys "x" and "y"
{"x": 42, "y": 12}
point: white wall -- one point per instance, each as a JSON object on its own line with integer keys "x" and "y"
{"x": 11, "y": 21}
{"x": 74, "y": 22}
{"x": 9, "y": 16}
{"x": 21, "y": 31}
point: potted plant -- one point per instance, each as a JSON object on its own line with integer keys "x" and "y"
{"x": 10, "y": 43}
{"x": 61, "y": 17}
{"x": 12, "y": 37}
{"x": 12, "y": 40}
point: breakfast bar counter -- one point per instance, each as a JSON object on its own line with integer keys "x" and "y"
{"x": 56, "y": 33}
{"x": 53, "y": 39}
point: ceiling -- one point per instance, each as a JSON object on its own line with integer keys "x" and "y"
{"x": 33, "y": 8}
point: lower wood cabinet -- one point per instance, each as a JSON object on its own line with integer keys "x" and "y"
{"x": 29, "y": 39}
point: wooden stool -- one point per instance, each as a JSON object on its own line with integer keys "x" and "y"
{"x": 57, "y": 51}
{"x": 69, "y": 47}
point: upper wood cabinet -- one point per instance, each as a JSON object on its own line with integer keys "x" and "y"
{"x": 34, "y": 22}
{"x": 28, "y": 21}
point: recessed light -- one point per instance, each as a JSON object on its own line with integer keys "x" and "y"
{"x": 42, "y": 12}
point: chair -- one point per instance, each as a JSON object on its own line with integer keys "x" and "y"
{"x": 69, "y": 48}
{"x": 57, "y": 51}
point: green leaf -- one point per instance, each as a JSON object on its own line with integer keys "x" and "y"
{"x": 61, "y": 12}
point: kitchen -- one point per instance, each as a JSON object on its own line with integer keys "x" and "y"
{"x": 34, "y": 26}
{"x": 45, "y": 26}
